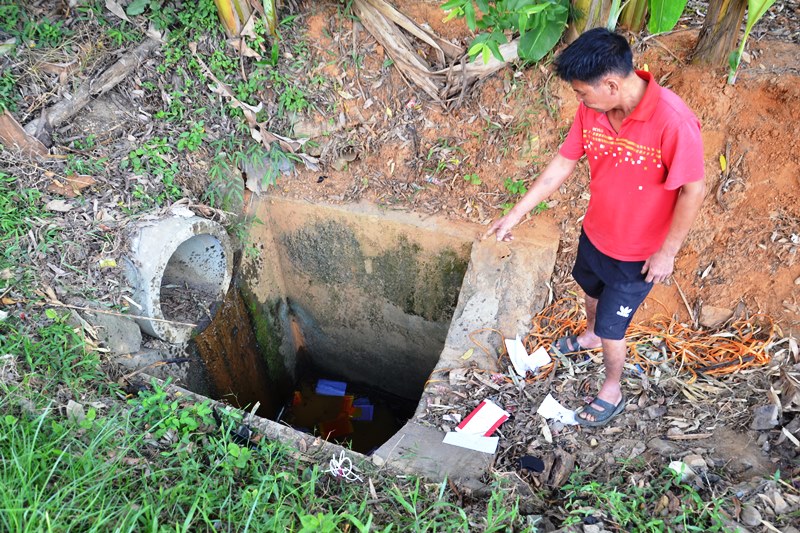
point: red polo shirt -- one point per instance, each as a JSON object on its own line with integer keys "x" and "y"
{"x": 636, "y": 174}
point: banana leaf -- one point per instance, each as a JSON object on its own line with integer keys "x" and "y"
{"x": 664, "y": 15}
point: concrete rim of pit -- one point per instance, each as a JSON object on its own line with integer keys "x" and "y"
{"x": 179, "y": 248}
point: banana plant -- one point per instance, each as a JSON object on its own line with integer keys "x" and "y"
{"x": 755, "y": 10}
{"x": 235, "y": 13}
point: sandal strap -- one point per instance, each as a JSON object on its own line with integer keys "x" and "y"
{"x": 604, "y": 404}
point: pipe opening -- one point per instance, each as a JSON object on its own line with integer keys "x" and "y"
{"x": 193, "y": 279}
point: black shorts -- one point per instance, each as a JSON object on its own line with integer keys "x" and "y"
{"x": 618, "y": 286}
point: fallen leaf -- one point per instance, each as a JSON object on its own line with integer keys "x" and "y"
{"x": 71, "y": 186}
{"x": 783, "y": 430}
{"x": 241, "y": 46}
{"x": 5, "y": 300}
{"x": 12, "y": 135}
{"x": 108, "y": 263}
{"x": 468, "y": 354}
{"x": 8, "y": 46}
{"x": 117, "y": 9}
{"x": 723, "y": 163}
{"x": 59, "y": 206}
{"x": 58, "y": 68}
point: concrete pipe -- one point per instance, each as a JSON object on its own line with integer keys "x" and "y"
{"x": 177, "y": 266}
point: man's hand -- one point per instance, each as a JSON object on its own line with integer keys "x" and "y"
{"x": 502, "y": 228}
{"x": 658, "y": 267}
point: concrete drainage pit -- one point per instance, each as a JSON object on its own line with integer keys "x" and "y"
{"x": 342, "y": 296}
{"x": 349, "y": 322}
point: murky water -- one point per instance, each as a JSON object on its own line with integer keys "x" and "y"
{"x": 362, "y": 419}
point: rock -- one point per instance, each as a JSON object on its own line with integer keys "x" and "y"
{"x": 674, "y": 432}
{"x": 712, "y": 317}
{"x": 76, "y": 413}
{"x": 655, "y": 411}
{"x": 765, "y": 417}
{"x": 261, "y": 173}
{"x": 685, "y": 471}
{"x": 310, "y": 129}
{"x": 734, "y": 527}
{"x": 779, "y": 505}
{"x": 120, "y": 335}
{"x": 662, "y": 447}
{"x": 593, "y": 442}
{"x": 592, "y": 528}
{"x": 695, "y": 461}
{"x": 750, "y": 516}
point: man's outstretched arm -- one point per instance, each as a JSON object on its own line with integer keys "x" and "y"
{"x": 659, "y": 266}
{"x": 546, "y": 184}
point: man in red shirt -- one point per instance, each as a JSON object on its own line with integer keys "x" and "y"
{"x": 645, "y": 156}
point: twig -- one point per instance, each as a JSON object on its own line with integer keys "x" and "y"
{"x": 683, "y": 297}
{"x": 114, "y": 313}
{"x": 691, "y": 436}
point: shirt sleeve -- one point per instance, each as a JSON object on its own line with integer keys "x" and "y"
{"x": 682, "y": 153}
{"x": 573, "y": 145}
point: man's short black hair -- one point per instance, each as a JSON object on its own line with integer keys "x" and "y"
{"x": 596, "y": 53}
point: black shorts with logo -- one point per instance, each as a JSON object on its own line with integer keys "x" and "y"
{"x": 618, "y": 286}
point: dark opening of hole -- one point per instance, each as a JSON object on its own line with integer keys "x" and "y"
{"x": 361, "y": 418}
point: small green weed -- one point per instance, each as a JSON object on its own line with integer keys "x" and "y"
{"x": 8, "y": 92}
{"x": 21, "y": 212}
{"x": 155, "y": 158}
{"x": 472, "y": 179}
{"x": 161, "y": 415}
{"x": 122, "y": 34}
{"x": 541, "y": 207}
{"x": 293, "y": 99}
{"x": 515, "y": 187}
{"x": 84, "y": 166}
{"x": 192, "y": 139}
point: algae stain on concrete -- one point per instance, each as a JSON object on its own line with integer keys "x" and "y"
{"x": 425, "y": 286}
{"x": 420, "y": 282}
{"x": 326, "y": 251}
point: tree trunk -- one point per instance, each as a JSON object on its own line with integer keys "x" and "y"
{"x": 720, "y": 32}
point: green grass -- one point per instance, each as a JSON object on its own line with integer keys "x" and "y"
{"x": 640, "y": 508}
{"x": 22, "y": 214}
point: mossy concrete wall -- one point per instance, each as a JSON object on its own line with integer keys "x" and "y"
{"x": 370, "y": 293}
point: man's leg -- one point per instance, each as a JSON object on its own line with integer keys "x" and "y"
{"x": 588, "y": 339}
{"x": 614, "y": 352}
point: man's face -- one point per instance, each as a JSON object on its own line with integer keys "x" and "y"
{"x": 598, "y": 96}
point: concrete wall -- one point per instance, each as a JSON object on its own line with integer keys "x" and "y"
{"x": 370, "y": 293}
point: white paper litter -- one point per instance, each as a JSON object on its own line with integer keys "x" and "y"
{"x": 472, "y": 442}
{"x": 553, "y": 410}
{"x": 523, "y": 362}
{"x": 483, "y": 420}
